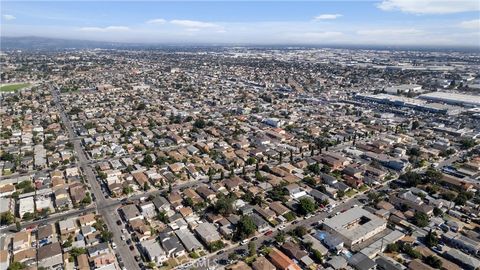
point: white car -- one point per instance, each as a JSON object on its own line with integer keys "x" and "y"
{"x": 281, "y": 227}
{"x": 114, "y": 246}
{"x": 123, "y": 237}
{"x": 244, "y": 242}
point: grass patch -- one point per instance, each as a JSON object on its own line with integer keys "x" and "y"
{"x": 363, "y": 188}
{"x": 350, "y": 193}
{"x": 13, "y": 87}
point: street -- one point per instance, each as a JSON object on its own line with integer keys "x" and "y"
{"x": 110, "y": 217}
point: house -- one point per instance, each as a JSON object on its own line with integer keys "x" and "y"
{"x": 153, "y": 251}
{"x": 21, "y": 240}
{"x": 337, "y": 262}
{"x": 240, "y": 265}
{"x": 171, "y": 244}
{"x": 130, "y": 212}
{"x": 206, "y": 193}
{"x": 68, "y": 227}
{"x": 26, "y": 256}
{"x": 82, "y": 262}
{"x": 161, "y": 203}
{"x": 50, "y": 256}
{"x": 418, "y": 265}
{"x": 262, "y": 263}
{"x": 295, "y": 191}
{"x": 46, "y": 234}
{"x": 260, "y": 223}
{"x": 360, "y": 261}
{"x": 87, "y": 220}
{"x": 282, "y": 261}
{"x": 293, "y": 251}
{"x": 234, "y": 183}
{"x": 189, "y": 240}
{"x": 278, "y": 208}
{"x": 98, "y": 249}
{"x": 207, "y": 232}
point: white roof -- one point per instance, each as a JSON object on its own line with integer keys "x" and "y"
{"x": 453, "y": 97}
{"x": 341, "y": 223}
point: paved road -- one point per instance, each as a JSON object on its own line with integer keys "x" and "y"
{"x": 110, "y": 217}
{"x": 50, "y": 219}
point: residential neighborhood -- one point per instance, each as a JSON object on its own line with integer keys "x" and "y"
{"x": 240, "y": 158}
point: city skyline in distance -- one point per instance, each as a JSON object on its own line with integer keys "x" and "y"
{"x": 385, "y": 22}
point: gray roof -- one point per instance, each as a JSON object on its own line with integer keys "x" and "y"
{"x": 361, "y": 262}
{"x": 208, "y": 232}
{"x": 340, "y": 222}
{"x": 153, "y": 248}
{"x": 188, "y": 240}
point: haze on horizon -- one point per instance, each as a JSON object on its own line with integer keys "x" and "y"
{"x": 383, "y": 22}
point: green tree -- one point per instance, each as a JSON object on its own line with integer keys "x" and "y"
{"x": 147, "y": 161}
{"x": 16, "y": 266}
{"x": 467, "y": 143}
{"x": 28, "y": 216}
{"x": 7, "y": 218}
{"x": 412, "y": 179}
{"x": 163, "y": 217}
{"x": 433, "y": 261}
{"x": 75, "y": 251}
{"x": 224, "y": 205}
{"x": 127, "y": 190}
{"x": 421, "y": 219}
{"x": 307, "y": 206}
{"x": 431, "y": 239}
{"x": 106, "y": 236}
{"x": 437, "y": 211}
{"x": 393, "y": 247}
{"x": 317, "y": 256}
{"x": 214, "y": 246}
{"x": 280, "y": 237}
{"x": 245, "y": 227}
{"x": 300, "y": 231}
{"x": 146, "y": 186}
{"x": 199, "y": 123}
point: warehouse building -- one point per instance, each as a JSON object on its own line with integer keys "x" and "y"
{"x": 453, "y": 98}
{"x": 355, "y": 225}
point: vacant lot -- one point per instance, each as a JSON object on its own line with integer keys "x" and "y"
{"x": 13, "y": 87}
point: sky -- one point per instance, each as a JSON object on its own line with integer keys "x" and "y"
{"x": 314, "y": 22}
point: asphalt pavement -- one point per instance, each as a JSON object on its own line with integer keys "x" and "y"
{"x": 110, "y": 217}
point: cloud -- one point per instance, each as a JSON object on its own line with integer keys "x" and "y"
{"x": 430, "y": 6}
{"x": 389, "y": 32}
{"x": 473, "y": 24}
{"x": 8, "y": 17}
{"x": 105, "y": 29}
{"x": 194, "y": 24}
{"x": 327, "y": 17}
{"x": 157, "y": 21}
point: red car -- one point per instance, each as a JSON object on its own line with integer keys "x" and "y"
{"x": 268, "y": 233}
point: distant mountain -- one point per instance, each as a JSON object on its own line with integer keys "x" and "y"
{"x": 42, "y": 43}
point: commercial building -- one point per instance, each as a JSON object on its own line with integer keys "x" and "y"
{"x": 355, "y": 225}
{"x": 453, "y": 98}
